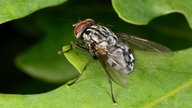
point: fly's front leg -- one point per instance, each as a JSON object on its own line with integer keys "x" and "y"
{"x": 71, "y": 47}
{"x": 62, "y": 52}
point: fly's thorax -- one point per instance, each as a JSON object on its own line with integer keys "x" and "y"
{"x": 98, "y": 34}
{"x": 98, "y": 38}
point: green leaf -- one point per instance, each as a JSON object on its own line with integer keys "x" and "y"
{"x": 143, "y": 11}
{"x": 14, "y": 9}
{"x": 161, "y": 85}
{"x": 157, "y": 81}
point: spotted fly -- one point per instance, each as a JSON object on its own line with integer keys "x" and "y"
{"x": 113, "y": 50}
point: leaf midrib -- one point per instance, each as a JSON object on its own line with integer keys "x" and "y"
{"x": 169, "y": 94}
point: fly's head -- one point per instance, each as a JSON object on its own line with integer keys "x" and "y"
{"x": 80, "y": 27}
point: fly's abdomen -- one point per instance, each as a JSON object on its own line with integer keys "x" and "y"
{"x": 121, "y": 58}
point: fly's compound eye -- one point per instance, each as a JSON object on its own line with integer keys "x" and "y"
{"x": 81, "y": 26}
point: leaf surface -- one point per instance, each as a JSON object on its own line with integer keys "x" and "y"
{"x": 142, "y": 11}
{"x": 14, "y": 9}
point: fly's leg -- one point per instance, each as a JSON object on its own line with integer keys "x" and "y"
{"x": 84, "y": 68}
{"x": 111, "y": 87}
{"x": 75, "y": 45}
{"x": 78, "y": 46}
{"x": 62, "y": 52}
{"x": 82, "y": 48}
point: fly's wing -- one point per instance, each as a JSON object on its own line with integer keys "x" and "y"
{"x": 144, "y": 45}
{"x": 117, "y": 76}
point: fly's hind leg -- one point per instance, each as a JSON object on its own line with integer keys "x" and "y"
{"x": 111, "y": 87}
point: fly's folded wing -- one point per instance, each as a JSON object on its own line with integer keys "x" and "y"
{"x": 144, "y": 44}
{"x": 118, "y": 76}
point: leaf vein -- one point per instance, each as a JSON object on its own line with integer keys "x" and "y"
{"x": 169, "y": 94}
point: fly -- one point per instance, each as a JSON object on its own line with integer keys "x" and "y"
{"x": 113, "y": 50}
